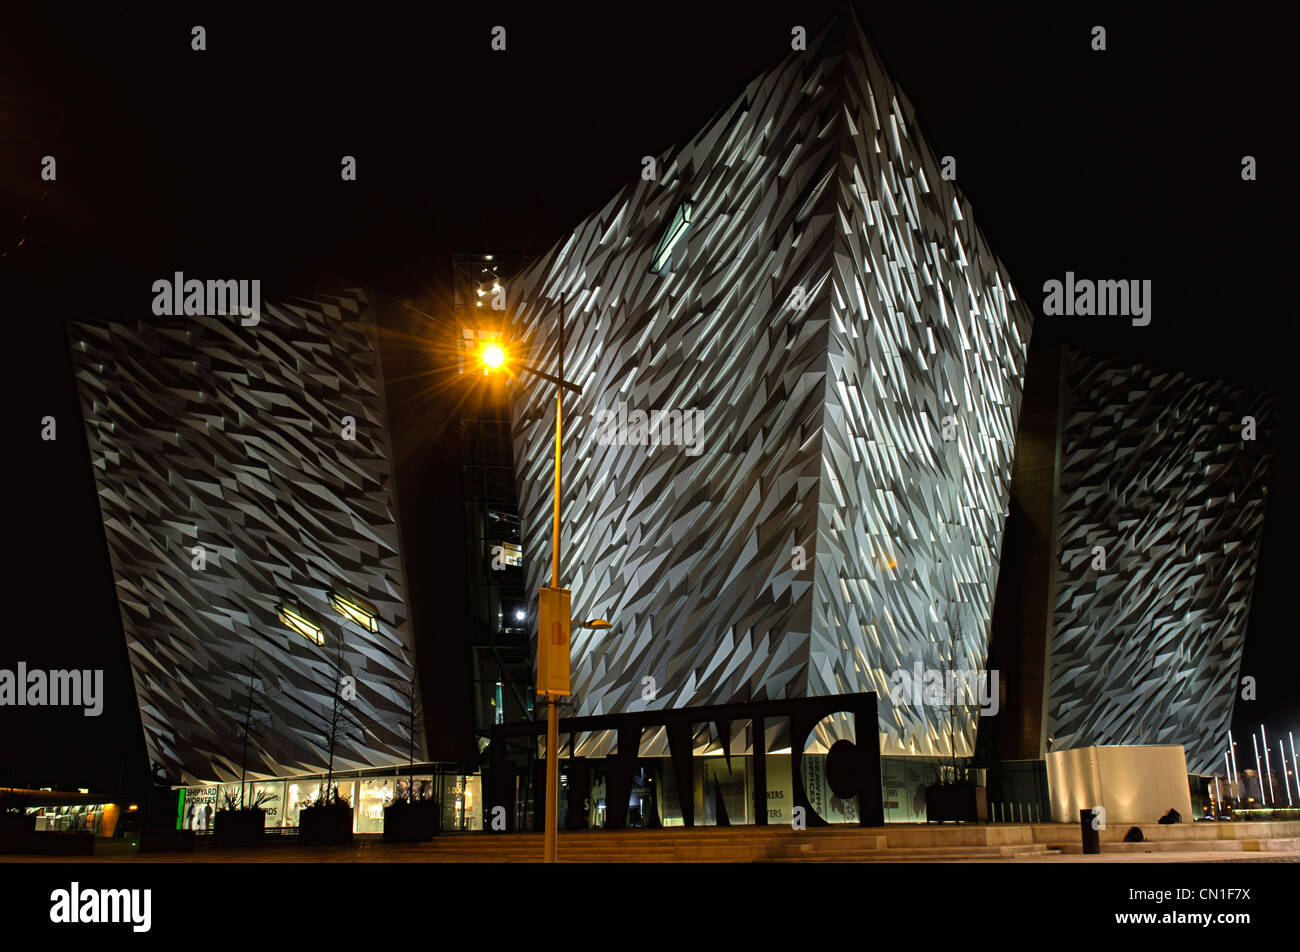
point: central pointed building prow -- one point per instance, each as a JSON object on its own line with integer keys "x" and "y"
{"x": 787, "y": 474}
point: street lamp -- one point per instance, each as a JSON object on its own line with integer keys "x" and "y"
{"x": 554, "y": 617}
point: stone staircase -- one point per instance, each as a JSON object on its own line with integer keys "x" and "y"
{"x": 712, "y": 845}
{"x": 905, "y": 843}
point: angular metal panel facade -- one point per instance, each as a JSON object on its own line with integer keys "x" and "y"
{"x": 1155, "y": 470}
{"x": 203, "y": 432}
{"x": 830, "y": 306}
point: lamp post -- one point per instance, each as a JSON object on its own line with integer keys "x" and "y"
{"x": 554, "y": 619}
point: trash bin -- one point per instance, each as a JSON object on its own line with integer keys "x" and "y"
{"x": 1091, "y": 835}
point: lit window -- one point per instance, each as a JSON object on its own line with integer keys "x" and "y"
{"x": 294, "y": 618}
{"x": 354, "y": 608}
{"x": 681, "y": 223}
{"x": 511, "y": 553}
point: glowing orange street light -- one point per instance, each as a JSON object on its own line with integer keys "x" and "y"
{"x": 554, "y": 613}
{"x": 493, "y": 356}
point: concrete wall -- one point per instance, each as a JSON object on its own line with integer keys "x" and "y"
{"x": 1133, "y": 784}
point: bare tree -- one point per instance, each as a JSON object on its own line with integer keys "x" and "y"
{"x": 412, "y": 724}
{"x": 955, "y": 770}
{"x": 949, "y": 766}
{"x": 340, "y": 721}
{"x": 246, "y": 729}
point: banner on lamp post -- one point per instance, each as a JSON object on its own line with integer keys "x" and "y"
{"x": 553, "y": 623}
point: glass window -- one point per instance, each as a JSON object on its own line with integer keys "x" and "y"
{"x": 462, "y": 802}
{"x": 301, "y": 793}
{"x": 272, "y": 794}
{"x": 713, "y": 775}
{"x": 423, "y": 788}
{"x": 780, "y": 790}
{"x": 373, "y": 797}
{"x": 201, "y": 805}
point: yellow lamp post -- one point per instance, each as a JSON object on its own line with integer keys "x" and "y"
{"x": 554, "y": 615}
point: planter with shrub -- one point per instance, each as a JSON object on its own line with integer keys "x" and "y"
{"x": 326, "y": 821}
{"x": 963, "y": 801}
{"x": 411, "y": 821}
{"x": 239, "y": 825}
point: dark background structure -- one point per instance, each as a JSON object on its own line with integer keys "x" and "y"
{"x": 1117, "y": 164}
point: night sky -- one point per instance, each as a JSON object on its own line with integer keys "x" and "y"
{"x": 1117, "y": 164}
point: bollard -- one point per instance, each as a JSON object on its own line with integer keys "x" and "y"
{"x": 1091, "y": 835}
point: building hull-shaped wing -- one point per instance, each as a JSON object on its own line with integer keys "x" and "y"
{"x": 241, "y": 470}
{"x": 788, "y": 471}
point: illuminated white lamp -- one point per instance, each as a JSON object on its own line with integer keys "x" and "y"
{"x": 1281, "y": 752}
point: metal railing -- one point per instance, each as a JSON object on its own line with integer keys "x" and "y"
{"x": 1015, "y": 812}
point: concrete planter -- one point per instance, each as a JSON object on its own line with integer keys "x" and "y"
{"x": 240, "y": 827}
{"x": 956, "y": 802}
{"x": 47, "y": 843}
{"x": 17, "y": 822}
{"x": 411, "y": 822}
{"x": 329, "y": 824}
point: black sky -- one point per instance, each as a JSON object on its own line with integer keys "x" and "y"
{"x": 1124, "y": 163}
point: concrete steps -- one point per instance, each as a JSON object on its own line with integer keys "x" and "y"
{"x": 726, "y": 846}
{"x": 908, "y": 843}
{"x": 1277, "y": 845}
{"x": 897, "y": 843}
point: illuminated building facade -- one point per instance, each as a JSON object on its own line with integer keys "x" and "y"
{"x": 787, "y": 474}
{"x": 268, "y": 492}
{"x": 1139, "y": 507}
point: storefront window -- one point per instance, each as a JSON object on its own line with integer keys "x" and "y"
{"x": 300, "y": 794}
{"x": 670, "y": 810}
{"x": 780, "y": 790}
{"x": 903, "y": 780}
{"x": 374, "y": 796}
{"x": 272, "y": 793}
{"x": 229, "y": 796}
{"x": 462, "y": 802}
{"x": 423, "y": 788}
{"x": 347, "y": 793}
{"x": 71, "y": 819}
{"x": 472, "y": 807}
{"x": 714, "y": 776}
{"x": 200, "y": 808}
{"x": 821, "y": 797}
